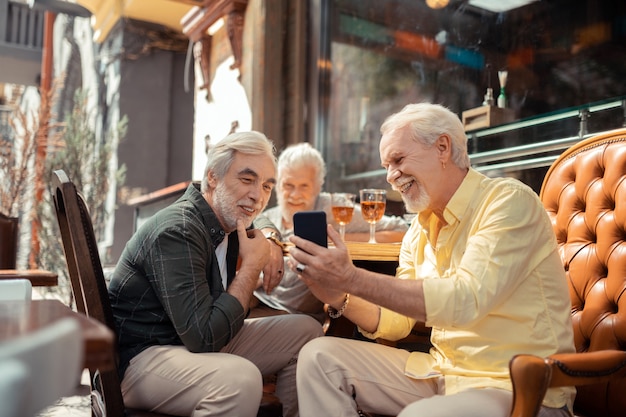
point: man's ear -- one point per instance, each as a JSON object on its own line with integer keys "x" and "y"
{"x": 444, "y": 146}
{"x": 211, "y": 179}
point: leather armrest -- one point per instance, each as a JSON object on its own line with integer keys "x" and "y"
{"x": 531, "y": 375}
{"x": 587, "y": 367}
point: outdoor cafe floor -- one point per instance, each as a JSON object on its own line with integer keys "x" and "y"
{"x": 75, "y": 406}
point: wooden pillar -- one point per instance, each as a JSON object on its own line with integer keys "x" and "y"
{"x": 263, "y": 75}
{"x": 42, "y": 134}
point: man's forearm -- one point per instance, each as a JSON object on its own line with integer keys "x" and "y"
{"x": 403, "y": 296}
{"x": 243, "y": 286}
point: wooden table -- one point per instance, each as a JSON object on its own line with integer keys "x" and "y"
{"x": 21, "y": 317}
{"x": 363, "y": 251}
{"x": 385, "y": 252}
{"x": 377, "y": 257}
{"x": 37, "y": 277}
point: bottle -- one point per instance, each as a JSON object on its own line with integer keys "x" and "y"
{"x": 489, "y": 98}
{"x": 502, "y": 76}
{"x": 502, "y": 99}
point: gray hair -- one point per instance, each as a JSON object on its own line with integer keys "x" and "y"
{"x": 220, "y": 156}
{"x": 427, "y": 122}
{"x": 303, "y": 155}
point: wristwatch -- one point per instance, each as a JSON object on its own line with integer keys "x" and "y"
{"x": 275, "y": 237}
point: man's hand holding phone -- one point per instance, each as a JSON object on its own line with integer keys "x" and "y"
{"x": 311, "y": 225}
{"x": 326, "y": 271}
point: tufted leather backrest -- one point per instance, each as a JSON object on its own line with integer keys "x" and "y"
{"x": 584, "y": 193}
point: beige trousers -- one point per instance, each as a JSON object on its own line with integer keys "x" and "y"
{"x": 337, "y": 376}
{"x": 172, "y": 380}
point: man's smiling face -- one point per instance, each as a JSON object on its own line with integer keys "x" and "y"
{"x": 244, "y": 191}
{"x": 412, "y": 168}
{"x": 297, "y": 191}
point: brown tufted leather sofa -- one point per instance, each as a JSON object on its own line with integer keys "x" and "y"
{"x": 584, "y": 193}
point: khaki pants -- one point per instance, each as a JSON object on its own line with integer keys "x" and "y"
{"x": 336, "y": 376}
{"x": 172, "y": 380}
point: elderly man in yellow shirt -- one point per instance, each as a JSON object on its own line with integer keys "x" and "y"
{"x": 480, "y": 266}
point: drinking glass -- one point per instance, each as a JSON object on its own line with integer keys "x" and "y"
{"x": 342, "y": 205}
{"x": 373, "y": 203}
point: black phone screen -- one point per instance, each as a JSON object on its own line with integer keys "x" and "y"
{"x": 311, "y": 225}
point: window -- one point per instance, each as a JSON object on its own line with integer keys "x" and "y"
{"x": 373, "y": 57}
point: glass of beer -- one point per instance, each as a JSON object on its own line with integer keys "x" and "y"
{"x": 342, "y": 205}
{"x": 373, "y": 202}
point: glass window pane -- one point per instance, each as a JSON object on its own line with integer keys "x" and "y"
{"x": 559, "y": 56}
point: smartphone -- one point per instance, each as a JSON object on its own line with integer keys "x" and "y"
{"x": 311, "y": 225}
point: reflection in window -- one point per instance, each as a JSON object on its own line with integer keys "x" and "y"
{"x": 559, "y": 54}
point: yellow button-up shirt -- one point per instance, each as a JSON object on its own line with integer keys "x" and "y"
{"x": 494, "y": 286}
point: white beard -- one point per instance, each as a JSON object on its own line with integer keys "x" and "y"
{"x": 226, "y": 204}
{"x": 419, "y": 203}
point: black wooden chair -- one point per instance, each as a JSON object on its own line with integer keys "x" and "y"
{"x": 90, "y": 293}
